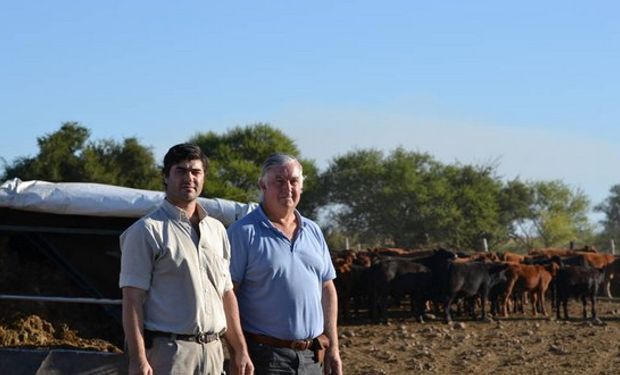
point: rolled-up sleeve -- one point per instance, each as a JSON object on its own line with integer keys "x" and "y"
{"x": 137, "y": 255}
{"x": 227, "y": 256}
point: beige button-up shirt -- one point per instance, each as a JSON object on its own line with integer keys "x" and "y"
{"x": 185, "y": 273}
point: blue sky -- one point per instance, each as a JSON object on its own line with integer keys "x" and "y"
{"x": 532, "y": 85}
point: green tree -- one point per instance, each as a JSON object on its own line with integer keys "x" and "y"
{"x": 516, "y": 200}
{"x": 236, "y": 158}
{"x": 411, "y": 183}
{"x": 351, "y": 186}
{"x": 127, "y": 164}
{"x": 410, "y": 199}
{"x": 558, "y": 215}
{"x": 67, "y": 156}
{"x": 610, "y": 207}
{"x": 475, "y": 203}
{"x": 58, "y": 158}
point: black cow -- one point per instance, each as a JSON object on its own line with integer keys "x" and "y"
{"x": 471, "y": 280}
{"x": 380, "y": 278}
{"x": 402, "y": 277}
{"x": 496, "y": 291}
{"x": 579, "y": 282}
{"x": 351, "y": 283}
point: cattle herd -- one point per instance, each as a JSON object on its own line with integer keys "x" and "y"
{"x": 482, "y": 285}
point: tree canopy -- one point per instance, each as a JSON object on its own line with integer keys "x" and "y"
{"x": 410, "y": 199}
{"x": 402, "y": 198}
{"x": 557, "y": 215}
{"x": 610, "y": 207}
{"x": 67, "y": 156}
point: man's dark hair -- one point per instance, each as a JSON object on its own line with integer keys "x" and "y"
{"x": 183, "y": 152}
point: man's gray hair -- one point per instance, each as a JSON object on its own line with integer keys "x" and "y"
{"x": 276, "y": 160}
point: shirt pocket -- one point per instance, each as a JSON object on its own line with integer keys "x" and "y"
{"x": 219, "y": 273}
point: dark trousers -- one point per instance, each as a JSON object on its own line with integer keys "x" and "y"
{"x": 273, "y": 360}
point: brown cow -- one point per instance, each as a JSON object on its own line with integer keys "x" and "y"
{"x": 512, "y": 257}
{"x": 534, "y": 279}
{"x": 561, "y": 252}
{"x": 391, "y": 251}
{"x": 551, "y": 252}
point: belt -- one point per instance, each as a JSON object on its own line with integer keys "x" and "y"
{"x": 201, "y": 338}
{"x": 280, "y": 343}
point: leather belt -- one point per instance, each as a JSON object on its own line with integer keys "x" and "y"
{"x": 201, "y": 338}
{"x": 280, "y": 343}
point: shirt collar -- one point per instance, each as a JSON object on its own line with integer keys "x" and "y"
{"x": 266, "y": 222}
{"x": 179, "y": 214}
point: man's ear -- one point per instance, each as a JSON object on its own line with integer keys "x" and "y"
{"x": 261, "y": 185}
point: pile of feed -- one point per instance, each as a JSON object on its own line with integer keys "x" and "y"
{"x": 30, "y": 324}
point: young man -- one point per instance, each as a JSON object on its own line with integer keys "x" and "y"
{"x": 177, "y": 291}
{"x": 282, "y": 272}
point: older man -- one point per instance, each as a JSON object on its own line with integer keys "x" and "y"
{"x": 177, "y": 292}
{"x": 282, "y": 272}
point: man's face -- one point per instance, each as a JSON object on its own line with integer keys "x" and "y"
{"x": 282, "y": 186}
{"x": 185, "y": 181}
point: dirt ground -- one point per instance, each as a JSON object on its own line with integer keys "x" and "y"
{"x": 516, "y": 345}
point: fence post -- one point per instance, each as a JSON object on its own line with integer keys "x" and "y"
{"x": 613, "y": 246}
{"x": 485, "y": 244}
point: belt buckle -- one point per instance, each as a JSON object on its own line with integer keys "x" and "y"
{"x": 300, "y": 345}
{"x": 202, "y": 338}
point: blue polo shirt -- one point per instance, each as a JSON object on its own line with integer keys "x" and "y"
{"x": 280, "y": 282}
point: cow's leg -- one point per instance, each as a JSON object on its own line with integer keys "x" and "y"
{"x": 584, "y": 304}
{"x": 519, "y": 300}
{"x": 420, "y": 303}
{"x": 533, "y": 300}
{"x": 494, "y": 304}
{"x": 505, "y": 305}
{"x": 356, "y": 306}
{"x": 508, "y": 294}
{"x": 483, "y": 302}
{"x": 375, "y": 303}
{"x": 554, "y": 291}
{"x": 446, "y": 308}
{"x": 565, "y": 302}
{"x": 593, "y": 301}
{"x": 471, "y": 306}
{"x": 542, "y": 303}
{"x": 346, "y": 300}
{"x": 384, "y": 307}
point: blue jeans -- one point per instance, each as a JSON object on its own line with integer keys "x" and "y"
{"x": 273, "y": 360}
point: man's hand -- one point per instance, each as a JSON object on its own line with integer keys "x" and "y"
{"x": 241, "y": 364}
{"x": 333, "y": 363}
{"x": 140, "y": 367}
